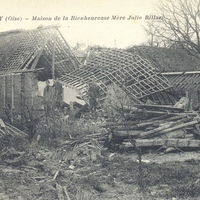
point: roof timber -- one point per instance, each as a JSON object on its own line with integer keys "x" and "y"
{"x": 36, "y": 43}
{"x": 183, "y": 81}
{"x": 133, "y": 74}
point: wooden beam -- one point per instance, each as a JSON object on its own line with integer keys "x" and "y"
{"x": 126, "y": 134}
{"x": 12, "y": 92}
{"x": 22, "y": 98}
{"x": 162, "y": 107}
{"x": 4, "y": 92}
{"x": 65, "y": 45}
{"x": 167, "y": 127}
{"x": 180, "y": 73}
{"x": 61, "y": 61}
{"x": 167, "y": 143}
{"x": 53, "y": 60}
{"x": 12, "y": 97}
{"x": 21, "y": 71}
{"x": 39, "y": 53}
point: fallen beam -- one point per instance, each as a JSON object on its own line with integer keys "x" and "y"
{"x": 126, "y": 128}
{"x": 167, "y": 143}
{"x": 157, "y": 113}
{"x": 170, "y": 126}
{"x": 126, "y": 134}
{"x": 156, "y": 107}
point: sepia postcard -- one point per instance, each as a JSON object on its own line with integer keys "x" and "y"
{"x": 99, "y": 99}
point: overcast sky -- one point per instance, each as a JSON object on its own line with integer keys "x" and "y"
{"x": 110, "y": 33}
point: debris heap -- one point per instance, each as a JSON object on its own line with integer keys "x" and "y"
{"x": 158, "y": 126}
{"x": 7, "y": 129}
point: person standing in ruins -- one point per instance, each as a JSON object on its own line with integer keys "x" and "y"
{"x": 47, "y": 98}
{"x": 93, "y": 93}
{"x": 57, "y": 93}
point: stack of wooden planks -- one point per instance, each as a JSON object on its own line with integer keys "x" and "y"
{"x": 155, "y": 126}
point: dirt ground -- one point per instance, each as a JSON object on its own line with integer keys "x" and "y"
{"x": 74, "y": 165}
{"x": 50, "y": 174}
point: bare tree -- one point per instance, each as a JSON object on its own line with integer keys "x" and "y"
{"x": 180, "y": 25}
{"x": 154, "y": 39}
{"x": 151, "y": 31}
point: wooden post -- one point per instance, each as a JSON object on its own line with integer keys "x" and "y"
{"x": 140, "y": 181}
{"x": 4, "y": 92}
{"x": 53, "y": 60}
{"x": 13, "y": 90}
{"x": 22, "y": 94}
{"x": 12, "y": 96}
{"x": 188, "y": 95}
{"x": 198, "y": 96}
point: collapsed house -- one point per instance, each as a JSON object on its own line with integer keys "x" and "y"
{"x": 167, "y": 59}
{"x": 179, "y": 67}
{"x": 133, "y": 74}
{"x": 29, "y": 56}
{"x": 186, "y": 82}
{"x": 170, "y": 127}
{"x": 155, "y": 118}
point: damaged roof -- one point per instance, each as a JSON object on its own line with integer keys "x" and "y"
{"x": 184, "y": 81}
{"x": 132, "y": 73}
{"x": 22, "y": 50}
{"x": 167, "y": 59}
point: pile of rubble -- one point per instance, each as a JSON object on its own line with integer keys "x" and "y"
{"x": 7, "y": 129}
{"x": 72, "y": 167}
{"x": 158, "y": 126}
{"x": 44, "y": 173}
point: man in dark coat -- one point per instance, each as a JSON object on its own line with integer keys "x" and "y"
{"x": 93, "y": 93}
{"x": 47, "y": 98}
{"x": 58, "y": 91}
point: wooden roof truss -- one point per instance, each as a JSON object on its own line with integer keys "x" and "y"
{"x": 132, "y": 74}
{"x": 40, "y": 43}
